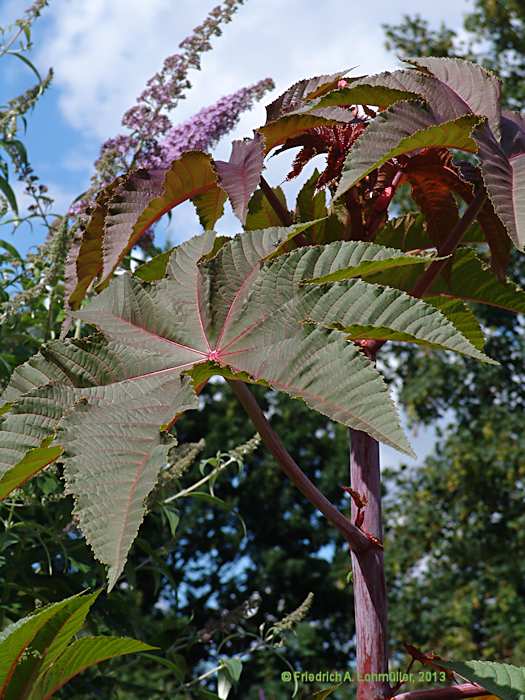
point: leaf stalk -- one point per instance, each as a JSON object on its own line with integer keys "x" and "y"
{"x": 357, "y": 539}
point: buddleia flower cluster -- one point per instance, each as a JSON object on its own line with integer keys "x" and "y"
{"x": 148, "y": 121}
{"x": 203, "y": 130}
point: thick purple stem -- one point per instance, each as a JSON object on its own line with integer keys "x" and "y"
{"x": 370, "y": 599}
{"x": 370, "y": 602}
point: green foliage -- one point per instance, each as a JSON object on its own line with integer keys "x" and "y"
{"x": 38, "y": 654}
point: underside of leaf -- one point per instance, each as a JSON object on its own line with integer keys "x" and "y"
{"x": 113, "y": 453}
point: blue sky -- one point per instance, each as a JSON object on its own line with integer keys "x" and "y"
{"x": 103, "y": 51}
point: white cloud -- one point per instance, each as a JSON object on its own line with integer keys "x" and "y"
{"x": 105, "y": 50}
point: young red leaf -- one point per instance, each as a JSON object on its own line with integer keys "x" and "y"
{"x": 240, "y": 176}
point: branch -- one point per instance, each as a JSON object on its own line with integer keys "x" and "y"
{"x": 453, "y": 692}
{"x": 357, "y": 540}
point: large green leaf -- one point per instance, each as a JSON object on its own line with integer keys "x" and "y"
{"x": 48, "y": 644}
{"x": 210, "y": 313}
{"x": 503, "y": 680}
{"x": 231, "y": 308}
{"x": 81, "y": 655}
{"x": 17, "y": 637}
{"x": 97, "y": 383}
{"x": 403, "y": 128}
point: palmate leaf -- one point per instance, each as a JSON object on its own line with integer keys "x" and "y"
{"x": 232, "y": 309}
{"x": 240, "y": 176}
{"x": 266, "y": 342}
{"x": 403, "y": 128}
{"x": 503, "y": 680}
{"x": 265, "y": 323}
